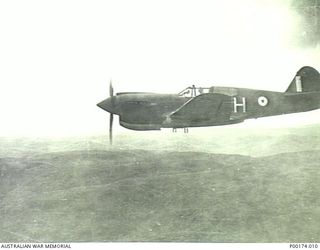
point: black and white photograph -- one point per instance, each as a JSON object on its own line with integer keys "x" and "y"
{"x": 159, "y": 122}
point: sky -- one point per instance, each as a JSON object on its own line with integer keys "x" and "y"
{"x": 57, "y": 57}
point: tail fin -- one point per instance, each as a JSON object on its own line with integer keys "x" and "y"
{"x": 307, "y": 79}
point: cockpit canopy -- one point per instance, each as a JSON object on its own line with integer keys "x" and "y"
{"x": 194, "y": 91}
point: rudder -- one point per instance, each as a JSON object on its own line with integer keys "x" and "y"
{"x": 307, "y": 79}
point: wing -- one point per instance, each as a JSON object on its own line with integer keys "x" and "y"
{"x": 203, "y": 107}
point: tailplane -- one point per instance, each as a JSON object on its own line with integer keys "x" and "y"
{"x": 307, "y": 79}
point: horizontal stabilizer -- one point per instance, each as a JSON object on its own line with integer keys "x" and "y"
{"x": 205, "y": 106}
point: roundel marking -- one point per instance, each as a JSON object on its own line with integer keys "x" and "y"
{"x": 263, "y": 101}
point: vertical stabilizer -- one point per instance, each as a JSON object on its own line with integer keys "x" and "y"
{"x": 307, "y": 79}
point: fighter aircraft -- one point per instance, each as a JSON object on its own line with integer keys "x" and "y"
{"x": 211, "y": 106}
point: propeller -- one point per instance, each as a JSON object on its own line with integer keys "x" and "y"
{"x": 111, "y": 115}
{"x": 110, "y": 128}
{"x": 111, "y": 89}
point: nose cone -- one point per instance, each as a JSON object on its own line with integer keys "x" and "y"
{"x": 108, "y": 105}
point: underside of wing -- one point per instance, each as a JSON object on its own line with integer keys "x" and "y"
{"x": 203, "y": 107}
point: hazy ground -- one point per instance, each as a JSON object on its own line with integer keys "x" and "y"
{"x": 234, "y": 185}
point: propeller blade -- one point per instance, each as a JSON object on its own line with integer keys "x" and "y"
{"x": 110, "y": 89}
{"x": 110, "y": 128}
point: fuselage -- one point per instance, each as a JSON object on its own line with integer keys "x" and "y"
{"x": 149, "y": 111}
